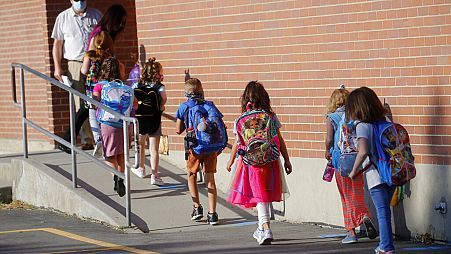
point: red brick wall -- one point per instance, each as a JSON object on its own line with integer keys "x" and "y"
{"x": 23, "y": 41}
{"x": 301, "y": 51}
{"x": 27, "y": 27}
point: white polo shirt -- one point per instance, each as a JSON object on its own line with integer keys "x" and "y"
{"x": 74, "y": 30}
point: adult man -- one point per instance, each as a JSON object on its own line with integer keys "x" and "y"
{"x": 71, "y": 34}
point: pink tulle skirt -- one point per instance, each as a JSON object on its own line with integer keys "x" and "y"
{"x": 251, "y": 185}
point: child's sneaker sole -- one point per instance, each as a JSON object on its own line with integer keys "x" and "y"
{"x": 196, "y": 218}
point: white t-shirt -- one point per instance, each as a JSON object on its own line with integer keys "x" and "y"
{"x": 365, "y": 130}
{"x": 74, "y": 30}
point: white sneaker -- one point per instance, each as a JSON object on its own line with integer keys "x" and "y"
{"x": 98, "y": 150}
{"x": 258, "y": 234}
{"x": 267, "y": 237}
{"x": 156, "y": 180}
{"x": 139, "y": 172}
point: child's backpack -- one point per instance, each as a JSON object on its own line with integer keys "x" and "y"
{"x": 259, "y": 142}
{"x": 92, "y": 78}
{"x": 205, "y": 129}
{"x": 133, "y": 76}
{"x": 118, "y": 97}
{"x": 149, "y": 106}
{"x": 335, "y": 150}
{"x": 395, "y": 161}
{"x": 347, "y": 144}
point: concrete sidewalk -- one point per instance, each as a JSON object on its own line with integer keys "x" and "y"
{"x": 164, "y": 209}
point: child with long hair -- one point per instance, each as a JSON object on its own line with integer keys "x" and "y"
{"x": 363, "y": 105}
{"x": 352, "y": 196}
{"x": 258, "y": 185}
{"x": 103, "y": 48}
{"x": 112, "y": 137}
{"x": 149, "y": 119}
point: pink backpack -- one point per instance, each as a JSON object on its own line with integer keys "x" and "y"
{"x": 259, "y": 142}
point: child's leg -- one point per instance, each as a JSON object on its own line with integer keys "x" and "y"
{"x": 95, "y": 127}
{"x": 120, "y": 163}
{"x": 212, "y": 193}
{"x": 192, "y": 166}
{"x": 154, "y": 142}
{"x": 263, "y": 211}
{"x": 142, "y": 150}
{"x": 112, "y": 162}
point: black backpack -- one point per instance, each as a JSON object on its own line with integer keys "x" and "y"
{"x": 148, "y": 111}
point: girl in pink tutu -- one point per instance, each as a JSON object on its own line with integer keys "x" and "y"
{"x": 258, "y": 177}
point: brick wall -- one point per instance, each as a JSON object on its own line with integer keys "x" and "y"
{"x": 27, "y": 27}
{"x": 301, "y": 51}
{"x": 23, "y": 41}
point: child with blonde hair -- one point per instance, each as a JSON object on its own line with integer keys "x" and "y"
{"x": 151, "y": 97}
{"x": 352, "y": 196}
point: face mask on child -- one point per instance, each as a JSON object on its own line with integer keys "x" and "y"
{"x": 79, "y": 6}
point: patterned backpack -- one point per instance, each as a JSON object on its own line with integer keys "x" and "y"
{"x": 347, "y": 143}
{"x": 395, "y": 161}
{"x": 118, "y": 97}
{"x": 205, "y": 129}
{"x": 259, "y": 142}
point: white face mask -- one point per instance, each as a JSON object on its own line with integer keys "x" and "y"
{"x": 79, "y": 6}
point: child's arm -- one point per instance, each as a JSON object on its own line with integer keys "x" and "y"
{"x": 179, "y": 127}
{"x": 284, "y": 151}
{"x": 85, "y": 66}
{"x": 329, "y": 138}
{"x": 187, "y": 75}
{"x": 135, "y": 103}
{"x": 232, "y": 156}
{"x": 122, "y": 74}
{"x": 164, "y": 99}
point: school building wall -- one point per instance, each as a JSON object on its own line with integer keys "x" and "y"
{"x": 301, "y": 51}
{"x": 27, "y": 27}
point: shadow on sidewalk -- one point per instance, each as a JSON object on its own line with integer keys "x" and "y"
{"x": 136, "y": 220}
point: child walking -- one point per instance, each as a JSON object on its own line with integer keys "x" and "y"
{"x": 352, "y": 196}
{"x": 114, "y": 94}
{"x": 151, "y": 96}
{"x": 103, "y": 44}
{"x": 258, "y": 178}
{"x": 201, "y": 148}
{"x": 363, "y": 105}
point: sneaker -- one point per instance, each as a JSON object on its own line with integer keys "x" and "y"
{"x": 64, "y": 148}
{"x": 258, "y": 234}
{"x": 370, "y": 229}
{"x": 349, "y": 239}
{"x": 379, "y": 251}
{"x": 139, "y": 172}
{"x": 156, "y": 180}
{"x": 98, "y": 150}
{"x": 266, "y": 238}
{"x": 120, "y": 187}
{"x": 212, "y": 218}
{"x": 87, "y": 147}
{"x": 197, "y": 214}
{"x": 115, "y": 182}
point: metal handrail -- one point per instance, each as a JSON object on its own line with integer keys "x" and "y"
{"x": 74, "y": 149}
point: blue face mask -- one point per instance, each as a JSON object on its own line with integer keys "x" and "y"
{"x": 79, "y": 6}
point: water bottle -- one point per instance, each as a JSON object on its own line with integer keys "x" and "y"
{"x": 328, "y": 172}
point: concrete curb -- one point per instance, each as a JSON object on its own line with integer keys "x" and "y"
{"x": 39, "y": 185}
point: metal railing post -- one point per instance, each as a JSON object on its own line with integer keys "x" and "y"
{"x": 127, "y": 174}
{"x": 24, "y": 114}
{"x": 73, "y": 139}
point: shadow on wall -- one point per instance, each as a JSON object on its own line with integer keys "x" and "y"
{"x": 439, "y": 189}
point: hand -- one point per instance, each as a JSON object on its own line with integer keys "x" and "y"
{"x": 187, "y": 75}
{"x": 352, "y": 174}
{"x": 288, "y": 167}
{"x": 229, "y": 165}
{"x": 58, "y": 73}
{"x": 327, "y": 155}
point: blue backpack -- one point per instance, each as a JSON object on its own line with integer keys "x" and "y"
{"x": 395, "y": 162}
{"x": 118, "y": 97}
{"x": 335, "y": 150}
{"x": 205, "y": 129}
